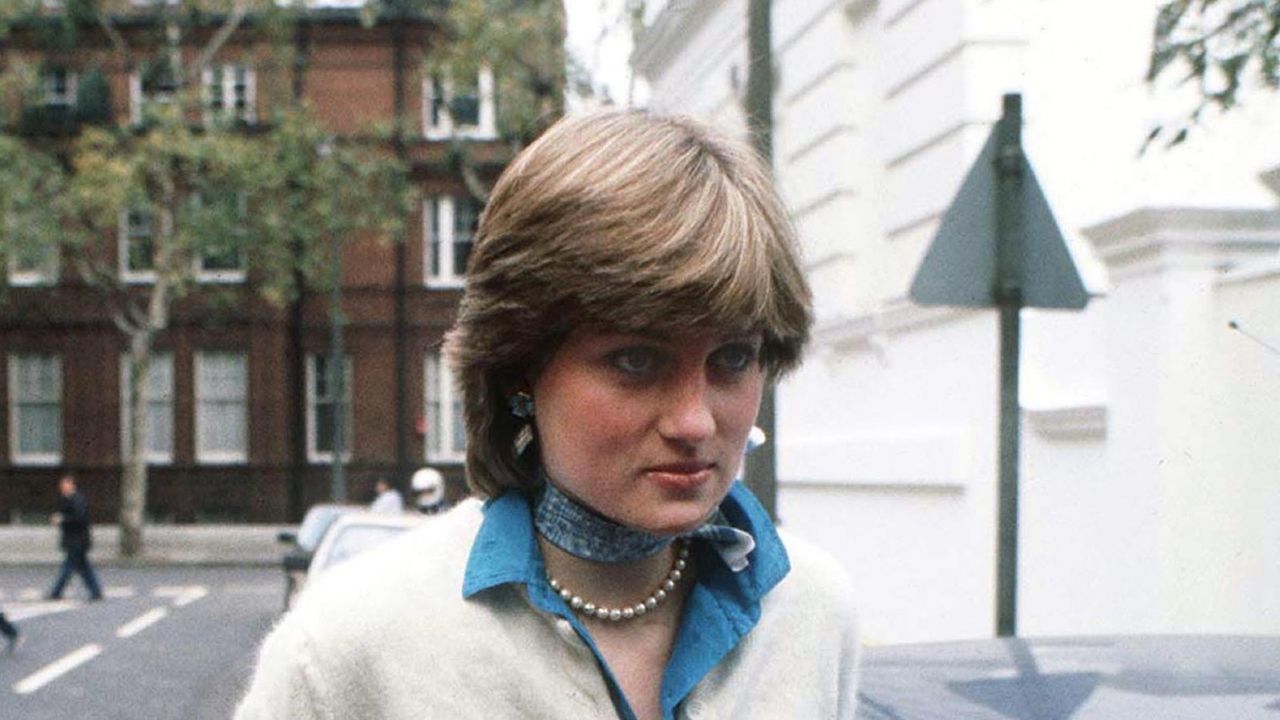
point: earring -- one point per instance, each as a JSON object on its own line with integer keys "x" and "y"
{"x": 522, "y": 407}
{"x": 521, "y": 404}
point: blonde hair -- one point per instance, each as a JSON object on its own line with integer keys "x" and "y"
{"x": 626, "y": 221}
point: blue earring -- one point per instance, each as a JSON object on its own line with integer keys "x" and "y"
{"x": 521, "y": 404}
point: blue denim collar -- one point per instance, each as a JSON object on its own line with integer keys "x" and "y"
{"x": 584, "y": 533}
{"x": 721, "y": 608}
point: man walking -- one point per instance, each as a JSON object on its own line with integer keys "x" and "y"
{"x": 72, "y": 519}
{"x": 10, "y": 634}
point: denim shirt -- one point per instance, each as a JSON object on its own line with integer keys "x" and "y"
{"x": 721, "y": 608}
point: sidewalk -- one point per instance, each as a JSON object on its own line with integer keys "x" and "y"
{"x": 249, "y": 545}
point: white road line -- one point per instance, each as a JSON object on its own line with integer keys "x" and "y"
{"x": 26, "y": 612}
{"x": 30, "y": 594}
{"x": 142, "y": 622}
{"x": 119, "y": 592}
{"x": 56, "y": 669}
{"x": 181, "y": 595}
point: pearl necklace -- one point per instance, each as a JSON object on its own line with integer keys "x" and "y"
{"x": 601, "y": 612}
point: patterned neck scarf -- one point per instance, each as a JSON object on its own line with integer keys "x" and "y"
{"x": 584, "y": 533}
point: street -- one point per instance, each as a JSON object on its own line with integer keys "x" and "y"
{"x": 166, "y": 643}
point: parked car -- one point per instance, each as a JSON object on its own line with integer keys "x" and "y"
{"x": 304, "y": 541}
{"x": 1203, "y": 677}
{"x": 352, "y": 534}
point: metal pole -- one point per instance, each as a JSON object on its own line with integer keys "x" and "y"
{"x": 761, "y": 465}
{"x": 1009, "y": 226}
{"x": 337, "y": 376}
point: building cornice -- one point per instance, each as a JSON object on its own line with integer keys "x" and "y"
{"x": 663, "y": 39}
{"x": 1150, "y": 240}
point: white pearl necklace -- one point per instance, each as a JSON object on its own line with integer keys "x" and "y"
{"x": 601, "y": 612}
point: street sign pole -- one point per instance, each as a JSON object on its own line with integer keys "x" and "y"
{"x": 1009, "y": 224}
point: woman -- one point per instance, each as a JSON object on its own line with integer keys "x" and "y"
{"x": 633, "y": 286}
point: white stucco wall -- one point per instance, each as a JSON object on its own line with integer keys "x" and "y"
{"x": 1148, "y": 496}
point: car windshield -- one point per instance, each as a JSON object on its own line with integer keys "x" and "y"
{"x": 355, "y": 539}
{"x": 318, "y": 520}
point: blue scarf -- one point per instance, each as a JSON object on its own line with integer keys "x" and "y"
{"x": 585, "y": 533}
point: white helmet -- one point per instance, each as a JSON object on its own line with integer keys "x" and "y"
{"x": 428, "y": 485}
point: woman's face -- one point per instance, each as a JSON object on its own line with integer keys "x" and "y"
{"x": 648, "y": 431}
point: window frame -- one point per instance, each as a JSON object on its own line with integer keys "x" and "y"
{"x": 227, "y": 90}
{"x": 206, "y": 456}
{"x": 154, "y": 457}
{"x": 438, "y": 378}
{"x": 126, "y": 236}
{"x": 223, "y": 276}
{"x": 138, "y": 99}
{"x": 314, "y": 454}
{"x": 444, "y": 129}
{"x": 67, "y": 99}
{"x": 16, "y": 456}
{"x": 439, "y": 234}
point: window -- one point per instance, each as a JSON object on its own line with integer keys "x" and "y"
{"x": 155, "y": 85}
{"x": 222, "y": 260}
{"x": 35, "y": 409}
{"x": 229, "y": 93}
{"x": 159, "y": 408}
{"x": 450, "y": 225}
{"x": 459, "y": 109}
{"x": 323, "y": 408}
{"x": 222, "y": 416}
{"x": 446, "y": 436}
{"x": 33, "y": 266}
{"x": 137, "y": 246}
{"x": 59, "y": 87}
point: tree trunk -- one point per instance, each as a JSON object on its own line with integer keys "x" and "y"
{"x": 133, "y": 483}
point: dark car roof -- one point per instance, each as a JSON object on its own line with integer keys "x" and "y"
{"x": 1130, "y": 677}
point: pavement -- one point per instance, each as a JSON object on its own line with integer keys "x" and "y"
{"x": 199, "y": 545}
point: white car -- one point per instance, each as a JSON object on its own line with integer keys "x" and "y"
{"x": 354, "y": 533}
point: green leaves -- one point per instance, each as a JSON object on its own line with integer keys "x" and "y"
{"x": 1226, "y": 48}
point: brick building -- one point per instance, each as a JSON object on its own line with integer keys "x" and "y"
{"x": 241, "y": 414}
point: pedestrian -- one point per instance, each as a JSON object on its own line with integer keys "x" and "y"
{"x": 386, "y": 498}
{"x": 72, "y": 520}
{"x": 633, "y": 286}
{"x": 428, "y": 489}
{"x": 10, "y": 633}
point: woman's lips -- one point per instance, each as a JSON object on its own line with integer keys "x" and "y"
{"x": 681, "y": 476}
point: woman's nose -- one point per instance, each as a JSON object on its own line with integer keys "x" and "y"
{"x": 687, "y": 416}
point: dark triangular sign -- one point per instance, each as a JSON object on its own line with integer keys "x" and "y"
{"x": 960, "y": 266}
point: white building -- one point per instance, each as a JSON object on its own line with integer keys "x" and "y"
{"x": 1151, "y": 429}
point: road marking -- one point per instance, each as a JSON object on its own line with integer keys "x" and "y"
{"x": 181, "y": 594}
{"x": 30, "y": 594}
{"x": 142, "y": 622}
{"x": 56, "y": 669}
{"x": 119, "y": 592}
{"x": 27, "y": 612}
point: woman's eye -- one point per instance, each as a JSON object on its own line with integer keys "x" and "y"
{"x": 734, "y": 358}
{"x": 635, "y": 361}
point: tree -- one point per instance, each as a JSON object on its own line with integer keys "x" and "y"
{"x": 180, "y": 181}
{"x": 519, "y": 42}
{"x": 1224, "y": 47}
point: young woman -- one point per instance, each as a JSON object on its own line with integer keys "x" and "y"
{"x": 633, "y": 286}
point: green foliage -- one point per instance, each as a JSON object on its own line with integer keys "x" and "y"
{"x": 31, "y": 204}
{"x": 1224, "y": 47}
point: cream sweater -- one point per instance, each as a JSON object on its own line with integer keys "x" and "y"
{"x": 389, "y": 635}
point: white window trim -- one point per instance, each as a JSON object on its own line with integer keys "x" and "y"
{"x": 132, "y": 276}
{"x": 153, "y": 457}
{"x": 18, "y": 457}
{"x": 446, "y": 278}
{"x": 445, "y": 421}
{"x": 136, "y": 97}
{"x": 485, "y": 129}
{"x": 36, "y": 278}
{"x": 314, "y": 455}
{"x": 228, "y": 91}
{"x": 73, "y": 84}
{"x": 209, "y": 457}
{"x": 226, "y": 277}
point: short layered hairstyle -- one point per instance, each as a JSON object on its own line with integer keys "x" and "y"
{"x": 626, "y": 222}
